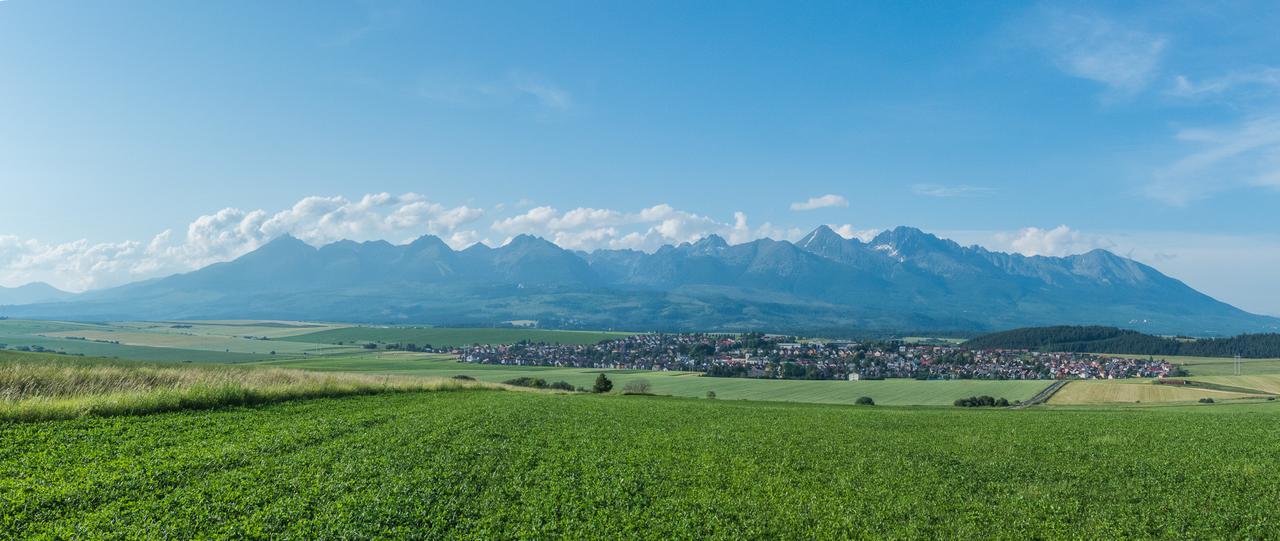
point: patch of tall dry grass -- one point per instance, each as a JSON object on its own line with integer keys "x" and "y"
{"x": 35, "y": 388}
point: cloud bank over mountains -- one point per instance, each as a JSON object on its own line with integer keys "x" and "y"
{"x": 231, "y": 232}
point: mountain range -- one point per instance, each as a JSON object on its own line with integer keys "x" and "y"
{"x": 903, "y": 279}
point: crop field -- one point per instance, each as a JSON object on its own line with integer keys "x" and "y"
{"x": 491, "y": 464}
{"x": 1088, "y": 392}
{"x": 449, "y": 337}
{"x": 689, "y": 384}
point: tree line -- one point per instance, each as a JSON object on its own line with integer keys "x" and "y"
{"x": 1098, "y": 339}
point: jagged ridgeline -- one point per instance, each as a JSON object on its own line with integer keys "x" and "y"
{"x": 902, "y": 279}
{"x": 1094, "y": 339}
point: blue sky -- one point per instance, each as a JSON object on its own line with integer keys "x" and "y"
{"x": 1035, "y": 127}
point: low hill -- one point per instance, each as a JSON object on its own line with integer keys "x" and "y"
{"x": 1096, "y": 339}
{"x": 32, "y": 293}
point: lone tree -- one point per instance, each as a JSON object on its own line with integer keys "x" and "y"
{"x": 864, "y": 401}
{"x": 711, "y": 395}
{"x": 602, "y": 385}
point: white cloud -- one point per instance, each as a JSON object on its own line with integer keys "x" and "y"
{"x": 516, "y": 87}
{"x": 822, "y": 201}
{"x": 940, "y": 190}
{"x": 645, "y": 229}
{"x": 1090, "y": 46}
{"x": 1059, "y": 241}
{"x": 544, "y": 91}
{"x": 1243, "y": 155}
{"x": 1265, "y": 80}
{"x": 848, "y": 231}
{"x": 229, "y": 233}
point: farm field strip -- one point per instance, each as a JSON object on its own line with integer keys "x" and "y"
{"x": 1269, "y": 383}
{"x": 270, "y": 329}
{"x": 1097, "y": 392}
{"x": 488, "y": 464}
{"x": 155, "y": 341}
{"x": 1215, "y": 366}
{"x": 183, "y": 339}
{"x": 449, "y": 337}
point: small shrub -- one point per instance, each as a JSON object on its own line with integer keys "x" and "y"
{"x": 464, "y": 377}
{"x": 636, "y": 386}
{"x": 711, "y": 395}
{"x": 561, "y": 386}
{"x": 1206, "y": 400}
{"x": 864, "y": 401}
{"x": 526, "y": 381}
{"x": 983, "y": 401}
{"x": 602, "y": 384}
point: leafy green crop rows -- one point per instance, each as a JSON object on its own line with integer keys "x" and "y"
{"x": 484, "y": 464}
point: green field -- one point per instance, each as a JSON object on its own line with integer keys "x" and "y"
{"x": 443, "y": 337}
{"x": 490, "y": 464}
{"x": 888, "y": 392}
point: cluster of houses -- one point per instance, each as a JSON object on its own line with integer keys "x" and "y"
{"x": 781, "y": 357}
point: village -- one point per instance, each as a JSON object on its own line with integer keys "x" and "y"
{"x": 755, "y": 355}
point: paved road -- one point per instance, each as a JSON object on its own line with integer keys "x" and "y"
{"x": 1043, "y": 396}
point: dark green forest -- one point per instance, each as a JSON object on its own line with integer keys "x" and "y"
{"x": 1097, "y": 339}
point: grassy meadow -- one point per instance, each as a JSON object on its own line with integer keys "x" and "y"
{"x": 482, "y": 464}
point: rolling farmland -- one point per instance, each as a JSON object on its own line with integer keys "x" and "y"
{"x": 314, "y": 346}
{"x": 689, "y": 384}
